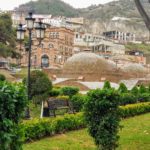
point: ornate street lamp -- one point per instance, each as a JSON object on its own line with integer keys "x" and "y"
{"x": 40, "y": 33}
{"x": 20, "y": 37}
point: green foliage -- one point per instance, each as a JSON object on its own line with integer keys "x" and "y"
{"x": 102, "y": 117}
{"x": 54, "y": 92}
{"x": 135, "y": 90}
{"x": 2, "y": 77}
{"x": 13, "y": 101}
{"x": 7, "y": 37}
{"x": 142, "y": 89}
{"x": 127, "y": 98}
{"x": 78, "y": 102}
{"x": 69, "y": 91}
{"x": 54, "y": 7}
{"x": 63, "y": 97}
{"x": 40, "y": 86}
{"x": 122, "y": 88}
{"x": 37, "y": 128}
{"x": 107, "y": 85}
{"x": 134, "y": 109}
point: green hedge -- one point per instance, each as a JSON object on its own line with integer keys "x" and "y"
{"x": 134, "y": 109}
{"x": 38, "y": 128}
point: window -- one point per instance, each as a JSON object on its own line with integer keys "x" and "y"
{"x": 51, "y": 46}
{"x": 45, "y": 61}
{"x": 41, "y": 46}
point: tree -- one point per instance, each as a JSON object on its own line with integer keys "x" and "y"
{"x": 122, "y": 88}
{"x": 7, "y": 37}
{"x": 69, "y": 91}
{"x": 40, "y": 86}
{"x": 13, "y": 101}
{"x": 102, "y": 117}
{"x": 107, "y": 85}
{"x": 2, "y": 77}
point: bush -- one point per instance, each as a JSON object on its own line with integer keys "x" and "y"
{"x": 40, "y": 86}
{"x": 107, "y": 85}
{"x": 13, "y": 101}
{"x": 102, "y": 117}
{"x": 127, "y": 98}
{"x": 54, "y": 92}
{"x": 69, "y": 91}
{"x": 78, "y": 102}
{"x": 37, "y": 128}
{"x": 63, "y": 97}
{"x": 122, "y": 88}
{"x": 134, "y": 109}
{"x": 2, "y": 77}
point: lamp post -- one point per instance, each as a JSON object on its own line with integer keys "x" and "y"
{"x": 40, "y": 32}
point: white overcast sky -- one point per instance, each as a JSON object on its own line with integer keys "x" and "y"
{"x": 10, "y": 4}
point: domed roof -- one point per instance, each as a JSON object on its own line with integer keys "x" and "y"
{"x": 134, "y": 68}
{"x": 87, "y": 63}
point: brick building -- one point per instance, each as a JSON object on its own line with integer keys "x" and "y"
{"x": 54, "y": 50}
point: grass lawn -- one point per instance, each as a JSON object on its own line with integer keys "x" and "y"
{"x": 134, "y": 136}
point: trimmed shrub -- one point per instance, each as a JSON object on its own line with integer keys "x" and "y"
{"x": 54, "y": 92}
{"x": 122, "y": 88}
{"x": 2, "y": 77}
{"x": 134, "y": 109}
{"x": 40, "y": 85}
{"x": 63, "y": 97}
{"x": 127, "y": 98}
{"x": 69, "y": 91}
{"x": 38, "y": 128}
{"x": 102, "y": 117}
{"x": 78, "y": 102}
{"x": 107, "y": 85}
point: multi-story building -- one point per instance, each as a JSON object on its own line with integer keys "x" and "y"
{"x": 121, "y": 37}
{"x": 54, "y": 50}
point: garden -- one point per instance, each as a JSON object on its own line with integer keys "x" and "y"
{"x": 103, "y": 119}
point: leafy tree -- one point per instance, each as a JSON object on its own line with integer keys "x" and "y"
{"x": 7, "y": 37}
{"x": 122, "y": 88}
{"x": 2, "y": 77}
{"x": 102, "y": 117}
{"x": 40, "y": 86}
{"x": 135, "y": 90}
{"x": 142, "y": 89}
{"x": 78, "y": 102}
{"x": 13, "y": 101}
{"x": 69, "y": 91}
{"x": 107, "y": 85}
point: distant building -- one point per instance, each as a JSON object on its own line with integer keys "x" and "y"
{"x": 54, "y": 50}
{"x": 121, "y": 37}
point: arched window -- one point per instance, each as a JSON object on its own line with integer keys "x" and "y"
{"x": 51, "y": 46}
{"x": 45, "y": 61}
{"x": 41, "y": 46}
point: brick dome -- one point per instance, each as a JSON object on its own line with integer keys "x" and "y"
{"x": 134, "y": 68}
{"x": 87, "y": 63}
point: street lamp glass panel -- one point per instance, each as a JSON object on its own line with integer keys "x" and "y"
{"x": 20, "y": 35}
{"x": 20, "y": 32}
{"x": 30, "y": 21}
{"x": 40, "y": 30}
{"x": 40, "y": 33}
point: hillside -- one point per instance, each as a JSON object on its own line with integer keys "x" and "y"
{"x": 116, "y": 15}
{"x": 54, "y": 7}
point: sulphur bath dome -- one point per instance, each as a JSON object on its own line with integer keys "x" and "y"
{"x": 87, "y": 63}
